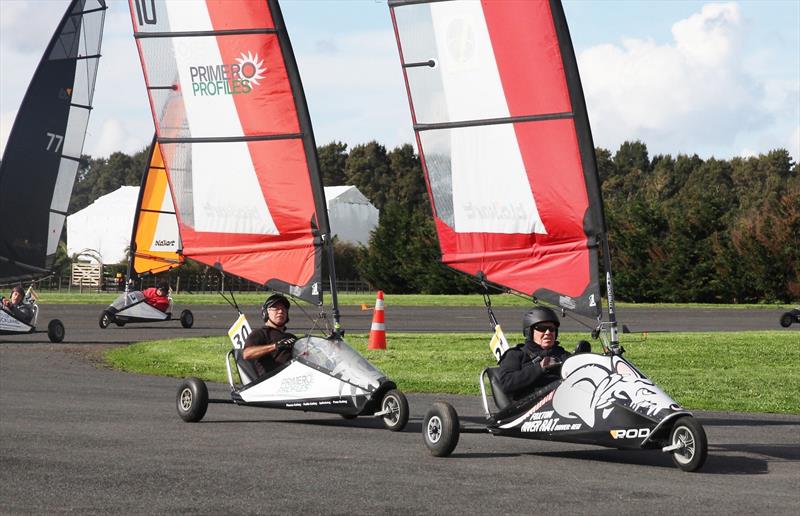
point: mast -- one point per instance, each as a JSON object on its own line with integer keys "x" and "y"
{"x": 143, "y": 182}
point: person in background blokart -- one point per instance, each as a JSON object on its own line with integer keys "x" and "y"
{"x": 537, "y": 362}
{"x": 157, "y": 296}
{"x": 15, "y": 306}
{"x": 270, "y": 346}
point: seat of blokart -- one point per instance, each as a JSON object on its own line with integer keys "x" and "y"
{"x": 247, "y": 372}
{"x": 501, "y": 400}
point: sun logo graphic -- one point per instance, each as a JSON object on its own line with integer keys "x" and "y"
{"x": 251, "y": 67}
{"x": 228, "y": 79}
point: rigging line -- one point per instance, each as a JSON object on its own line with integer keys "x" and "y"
{"x": 202, "y": 33}
{"x": 231, "y": 139}
{"x": 493, "y": 121}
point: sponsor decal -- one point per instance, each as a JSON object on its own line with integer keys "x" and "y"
{"x": 630, "y": 433}
{"x": 545, "y": 422}
{"x": 497, "y": 211}
{"x": 237, "y": 78}
{"x": 164, "y": 243}
{"x": 567, "y": 302}
{"x": 295, "y": 384}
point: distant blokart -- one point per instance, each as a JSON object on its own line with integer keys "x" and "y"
{"x": 10, "y": 325}
{"x": 324, "y": 375}
{"x": 792, "y": 316}
{"x": 131, "y": 307}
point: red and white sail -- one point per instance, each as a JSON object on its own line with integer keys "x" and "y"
{"x": 233, "y": 128}
{"x": 502, "y": 131}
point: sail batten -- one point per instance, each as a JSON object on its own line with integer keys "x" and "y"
{"x": 505, "y": 144}
{"x": 237, "y": 144}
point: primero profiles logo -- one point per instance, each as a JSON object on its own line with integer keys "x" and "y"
{"x": 228, "y": 79}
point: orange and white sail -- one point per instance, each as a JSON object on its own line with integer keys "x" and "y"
{"x": 156, "y": 241}
{"x": 233, "y": 128}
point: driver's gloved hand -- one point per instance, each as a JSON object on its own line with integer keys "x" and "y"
{"x": 285, "y": 344}
{"x": 583, "y": 347}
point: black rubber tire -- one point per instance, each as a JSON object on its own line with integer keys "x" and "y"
{"x": 120, "y": 323}
{"x": 441, "y": 429}
{"x": 192, "y": 400}
{"x": 349, "y": 416}
{"x": 786, "y": 320}
{"x": 105, "y": 319}
{"x": 55, "y": 331}
{"x": 690, "y": 433}
{"x": 187, "y": 319}
{"x": 396, "y": 402}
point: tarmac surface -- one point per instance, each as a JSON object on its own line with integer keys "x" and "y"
{"x": 78, "y": 437}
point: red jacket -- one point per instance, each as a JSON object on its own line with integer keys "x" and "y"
{"x": 153, "y": 299}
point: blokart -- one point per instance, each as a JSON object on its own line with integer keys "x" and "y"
{"x": 324, "y": 375}
{"x": 601, "y": 399}
{"x": 792, "y": 316}
{"x": 130, "y": 307}
{"x": 10, "y": 325}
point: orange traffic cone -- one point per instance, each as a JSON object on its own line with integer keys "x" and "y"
{"x": 377, "y": 334}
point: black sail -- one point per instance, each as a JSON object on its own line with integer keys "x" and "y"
{"x": 44, "y": 146}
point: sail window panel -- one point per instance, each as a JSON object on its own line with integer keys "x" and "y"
{"x": 67, "y": 171}
{"x": 178, "y": 160}
{"x": 54, "y": 228}
{"x": 479, "y": 180}
{"x": 68, "y": 41}
{"x": 76, "y": 131}
{"x": 90, "y": 37}
{"x": 83, "y": 87}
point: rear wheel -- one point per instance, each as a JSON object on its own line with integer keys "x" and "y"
{"x": 187, "y": 319}
{"x": 105, "y": 319}
{"x": 692, "y": 446}
{"x": 441, "y": 429}
{"x": 192, "y": 400}
{"x": 786, "y": 320}
{"x": 55, "y": 331}
{"x": 395, "y": 406}
{"x": 120, "y": 323}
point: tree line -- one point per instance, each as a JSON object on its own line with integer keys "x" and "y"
{"x": 681, "y": 229}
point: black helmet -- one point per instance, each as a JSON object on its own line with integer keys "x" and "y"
{"x": 535, "y": 316}
{"x": 273, "y": 300}
{"x": 163, "y": 285}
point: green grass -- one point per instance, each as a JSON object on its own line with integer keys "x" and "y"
{"x": 256, "y": 298}
{"x": 743, "y": 371}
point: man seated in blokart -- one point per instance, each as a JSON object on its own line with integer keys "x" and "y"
{"x": 270, "y": 346}
{"x": 157, "y": 296}
{"x": 537, "y": 362}
{"x": 17, "y": 306}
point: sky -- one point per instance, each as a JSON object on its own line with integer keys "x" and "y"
{"x": 717, "y": 79}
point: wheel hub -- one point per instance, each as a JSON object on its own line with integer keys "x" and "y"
{"x": 186, "y": 399}
{"x": 434, "y": 429}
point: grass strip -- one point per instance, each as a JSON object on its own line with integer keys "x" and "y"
{"x": 742, "y": 371}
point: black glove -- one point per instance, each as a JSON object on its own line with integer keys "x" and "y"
{"x": 285, "y": 344}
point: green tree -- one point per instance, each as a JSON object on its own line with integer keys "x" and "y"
{"x": 367, "y": 168}
{"x": 332, "y": 161}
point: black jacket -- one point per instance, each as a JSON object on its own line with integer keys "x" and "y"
{"x": 521, "y": 372}
{"x": 268, "y": 335}
{"x": 22, "y": 312}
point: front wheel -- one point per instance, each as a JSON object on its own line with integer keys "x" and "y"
{"x": 55, "y": 331}
{"x": 441, "y": 429}
{"x": 691, "y": 444}
{"x": 105, "y": 319}
{"x": 786, "y": 320}
{"x": 395, "y": 409}
{"x": 187, "y": 319}
{"x": 192, "y": 400}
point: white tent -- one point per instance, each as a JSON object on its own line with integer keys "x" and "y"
{"x": 351, "y": 215}
{"x": 105, "y": 225}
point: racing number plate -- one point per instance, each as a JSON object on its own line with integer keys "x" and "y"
{"x": 239, "y": 332}
{"x": 498, "y": 345}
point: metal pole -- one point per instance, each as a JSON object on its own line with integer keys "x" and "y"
{"x": 612, "y": 316}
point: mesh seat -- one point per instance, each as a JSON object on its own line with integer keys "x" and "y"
{"x": 500, "y": 398}
{"x": 246, "y": 371}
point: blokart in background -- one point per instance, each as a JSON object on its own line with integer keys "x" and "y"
{"x": 324, "y": 375}
{"x": 130, "y": 307}
{"x": 792, "y": 316}
{"x": 10, "y": 325}
{"x": 601, "y": 399}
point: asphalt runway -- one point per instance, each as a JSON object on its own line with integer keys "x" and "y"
{"x": 81, "y": 322}
{"x": 78, "y": 438}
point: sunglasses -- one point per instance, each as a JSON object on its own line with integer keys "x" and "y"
{"x": 544, "y": 328}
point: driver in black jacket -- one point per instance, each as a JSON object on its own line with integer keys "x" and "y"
{"x": 537, "y": 362}
{"x": 270, "y": 346}
{"x": 17, "y": 307}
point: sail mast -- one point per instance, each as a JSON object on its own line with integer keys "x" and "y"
{"x": 132, "y": 247}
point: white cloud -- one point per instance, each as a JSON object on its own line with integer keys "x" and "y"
{"x": 692, "y": 95}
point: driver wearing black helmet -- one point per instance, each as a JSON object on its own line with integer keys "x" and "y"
{"x": 537, "y": 362}
{"x": 270, "y": 346}
{"x": 17, "y": 306}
